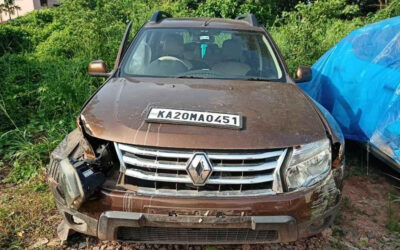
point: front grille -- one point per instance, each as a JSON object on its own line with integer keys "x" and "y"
{"x": 196, "y": 235}
{"x": 234, "y": 173}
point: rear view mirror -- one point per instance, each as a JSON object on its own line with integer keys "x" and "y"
{"x": 303, "y": 74}
{"x": 98, "y": 68}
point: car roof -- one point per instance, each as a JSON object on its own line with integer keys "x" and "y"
{"x": 203, "y": 23}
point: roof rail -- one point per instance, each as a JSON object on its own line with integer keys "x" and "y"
{"x": 159, "y": 15}
{"x": 250, "y": 18}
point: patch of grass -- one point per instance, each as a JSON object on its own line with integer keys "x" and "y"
{"x": 339, "y": 217}
{"x": 338, "y": 232}
{"x": 356, "y": 164}
{"x": 38, "y": 107}
{"x": 349, "y": 206}
{"x": 363, "y": 243}
{"x": 346, "y": 201}
{"x": 27, "y": 212}
{"x": 394, "y": 212}
{"x": 335, "y": 242}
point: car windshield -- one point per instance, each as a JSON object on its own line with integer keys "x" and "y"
{"x": 202, "y": 53}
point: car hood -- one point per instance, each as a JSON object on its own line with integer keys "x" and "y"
{"x": 275, "y": 114}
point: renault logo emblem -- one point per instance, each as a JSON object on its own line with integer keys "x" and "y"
{"x": 199, "y": 169}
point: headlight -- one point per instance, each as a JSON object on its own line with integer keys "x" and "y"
{"x": 309, "y": 164}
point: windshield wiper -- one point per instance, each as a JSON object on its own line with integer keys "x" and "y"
{"x": 246, "y": 79}
{"x": 257, "y": 79}
{"x": 189, "y": 76}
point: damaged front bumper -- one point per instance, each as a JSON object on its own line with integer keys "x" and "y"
{"x": 265, "y": 221}
{"x": 200, "y": 229}
{"x": 117, "y": 214}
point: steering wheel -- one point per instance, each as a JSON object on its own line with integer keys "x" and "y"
{"x": 172, "y": 58}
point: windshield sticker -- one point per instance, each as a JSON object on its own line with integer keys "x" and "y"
{"x": 198, "y": 118}
{"x": 203, "y": 49}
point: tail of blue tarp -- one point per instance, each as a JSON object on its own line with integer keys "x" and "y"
{"x": 358, "y": 82}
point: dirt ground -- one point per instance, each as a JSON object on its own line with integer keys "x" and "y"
{"x": 368, "y": 219}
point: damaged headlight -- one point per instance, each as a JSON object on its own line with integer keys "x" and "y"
{"x": 78, "y": 168}
{"x": 309, "y": 164}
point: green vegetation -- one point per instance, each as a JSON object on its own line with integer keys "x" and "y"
{"x": 393, "y": 211}
{"x": 26, "y": 214}
{"x": 307, "y": 33}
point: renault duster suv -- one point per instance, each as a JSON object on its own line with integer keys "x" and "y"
{"x": 200, "y": 136}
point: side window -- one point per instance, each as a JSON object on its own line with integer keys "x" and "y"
{"x": 43, "y": 3}
{"x": 141, "y": 58}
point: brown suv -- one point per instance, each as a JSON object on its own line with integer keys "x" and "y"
{"x": 199, "y": 136}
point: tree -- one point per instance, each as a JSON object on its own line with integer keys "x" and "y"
{"x": 17, "y": 8}
{"x": 11, "y": 7}
{"x": 367, "y": 6}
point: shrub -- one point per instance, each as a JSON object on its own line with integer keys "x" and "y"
{"x": 307, "y": 33}
{"x": 13, "y": 40}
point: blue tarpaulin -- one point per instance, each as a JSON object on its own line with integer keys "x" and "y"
{"x": 358, "y": 82}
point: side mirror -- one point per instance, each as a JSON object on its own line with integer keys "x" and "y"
{"x": 303, "y": 74}
{"x": 98, "y": 68}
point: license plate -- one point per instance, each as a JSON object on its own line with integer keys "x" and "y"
{"x": 198, "y": 118}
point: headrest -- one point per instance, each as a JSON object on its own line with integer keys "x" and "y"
{"x": 231, "y": 50}
{"x": 173, "y": 45}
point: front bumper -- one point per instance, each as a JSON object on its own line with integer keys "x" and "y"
{"x": 112, "y": 214}
{"x": 202, "y": 229}
{"x": 120, "y": 215}
{"x": 207, "y": 230}
{"x": 151, "y": 228}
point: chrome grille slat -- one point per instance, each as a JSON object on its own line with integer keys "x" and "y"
{"x": 245, "y": 168}
{"x": 164, "y": 171}
{"x": 245, "y": 156}
{"x": 186, "y": 179}
{"x": 217, "y": 168}
{"x": 169, "y": 192}
{"x": 187, "y": 155}
{"x": 158, "y": 177}
{"x": 241, "y": 180}
{"x": 154, "y": 153}
{"x": 153, "y": 164}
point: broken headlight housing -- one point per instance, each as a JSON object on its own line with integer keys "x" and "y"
{"x": 308, "y": 164}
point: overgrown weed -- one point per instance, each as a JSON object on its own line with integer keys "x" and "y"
{"x": 27, "y": 212}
